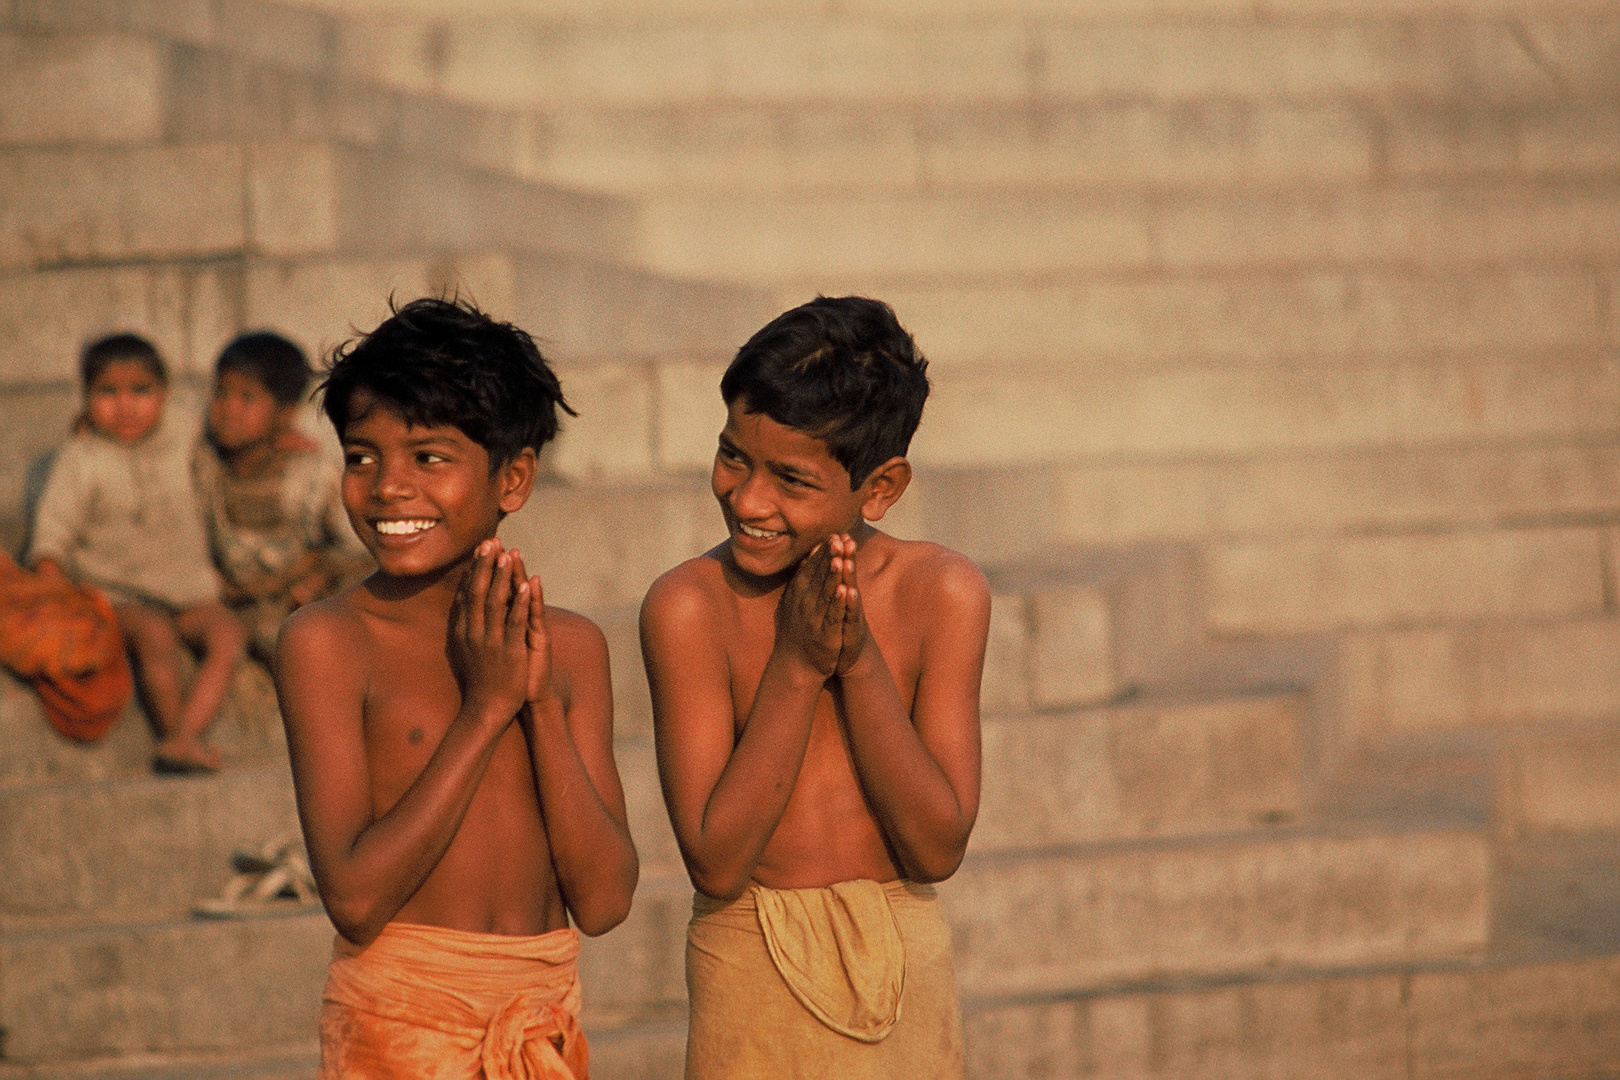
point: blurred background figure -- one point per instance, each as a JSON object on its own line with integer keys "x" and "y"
{"x": 118, "y": 512}
{"x": 1276, "y": 388}
{"x": 276, "y": 525}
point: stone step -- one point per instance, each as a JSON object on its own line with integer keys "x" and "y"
{"x": 1028, "y": 416}
{"x": 787, "y": 147}
{"x": 1150, "y": 770}
{"x": 1085, "y": 627}
{"x": 1561, "y": 783}
{"x": 842, "y": 243}
{"x": 1106, "y": 322}
{"x": 299, "y": 1061}
{"x": 248, "y": 732}
{"x": 110, "y": 204}
{"x": 907, "y": 11}
{"x": 163, "y": 987}
{"x": 1483, "y": 1021}
{"x": 1085, "y": 918}
{"x": 1005, "y": 56}
{"x": 1372, "y": 582}
{"x": 1003, "y": 514}
{"x": 1444, "y": 682}
{"x": 290, "y": 35}
{"x": 122, "y": 88}
{"x": 126, "y": 849}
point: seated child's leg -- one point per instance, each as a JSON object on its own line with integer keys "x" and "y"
{"x": 154, "y": 644}
{"x": 221, "y": 642}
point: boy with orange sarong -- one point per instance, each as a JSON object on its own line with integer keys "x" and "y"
{"x": 451, "y": 736}
{"x": 815, "y": 689}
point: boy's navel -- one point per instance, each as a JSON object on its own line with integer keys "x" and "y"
{"x": 415, "y": 736}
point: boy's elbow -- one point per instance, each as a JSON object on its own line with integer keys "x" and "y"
{"x": 606, "y": 911}
{"x": 357, "y": 921}
{"x": 928, "y": 867}
{"x": 600, "y": 918}
{"x": 721, "y": 883}
{"x": 930, "y": 873}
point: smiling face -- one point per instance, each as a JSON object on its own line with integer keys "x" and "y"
{"x": 125, "y": 401}
{"x": 782, "y": 493}
{"x": 421, "y": 498}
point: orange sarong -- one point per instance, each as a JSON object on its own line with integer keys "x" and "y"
{"x": 425, "y": 1002}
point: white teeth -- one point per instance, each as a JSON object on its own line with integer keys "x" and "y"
{"x": 757, "y": 534}
{"x": 403, "y": 528}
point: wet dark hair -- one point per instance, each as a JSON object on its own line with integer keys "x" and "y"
{"x": 102, "y": 353}
{"x": 440, "y": 362}
{"x": 839, "y": 369}
{"x": 271, "y": 359}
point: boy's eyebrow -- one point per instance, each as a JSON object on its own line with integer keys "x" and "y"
{"x": 782, "y": 468}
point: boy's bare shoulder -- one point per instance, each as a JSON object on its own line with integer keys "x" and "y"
{"x": 331, "y": 628}
{"x": 932, "y": 577}
{"x": 573, "y": 632}
{"x": 694, "y": 589}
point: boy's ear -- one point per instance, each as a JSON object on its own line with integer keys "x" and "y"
{"x": 516, "y": 480}
{"x": 884, "y": 488}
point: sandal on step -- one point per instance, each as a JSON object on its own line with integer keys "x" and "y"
{"x": 274, "y": 879}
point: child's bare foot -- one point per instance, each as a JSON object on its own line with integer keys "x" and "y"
{"x": 178, "y": 758}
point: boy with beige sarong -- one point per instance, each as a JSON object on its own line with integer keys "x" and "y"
{"x": 451, "y": 736}
{"x": 815, "y": 691}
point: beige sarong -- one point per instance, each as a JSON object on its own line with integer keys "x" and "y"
{"x": 853, "y": 980}
{"x": 427, "y": 1002}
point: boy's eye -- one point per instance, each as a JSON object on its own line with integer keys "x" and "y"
{"x": 428, "y": 457}
{"x": 792, "y": 480}
{"x": 352, "y": 458}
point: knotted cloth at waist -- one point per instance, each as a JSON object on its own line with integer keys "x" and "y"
{"x": 429, "y": 1001}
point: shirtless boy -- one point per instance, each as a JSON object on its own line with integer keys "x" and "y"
{"x": 451, "y": 736}
{"x": 815, "y": 689}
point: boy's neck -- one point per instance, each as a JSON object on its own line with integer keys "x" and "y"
{"x": 427, "y": 595}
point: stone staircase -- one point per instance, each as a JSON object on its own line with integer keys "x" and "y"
{"x": 1276, "y": 385}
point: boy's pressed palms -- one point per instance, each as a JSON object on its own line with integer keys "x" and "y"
{"x": 810, "y": 614}
{"x": 855, "y": 636}
{"x": 538, "y": 636}
{"x": 488, "y": 635}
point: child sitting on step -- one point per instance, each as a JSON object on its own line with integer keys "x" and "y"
{"x": 118, "y": 511}
{"x": 815, "y": 687}
{"x": 269, "y": 496}
{"x": 451, "y": 736}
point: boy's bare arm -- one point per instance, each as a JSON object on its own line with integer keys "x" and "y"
{"x": 368, "y": 867}
{"x": 727, "y": 793}
{"x": 920, "y": 771}
{"x": 581, "y": 799}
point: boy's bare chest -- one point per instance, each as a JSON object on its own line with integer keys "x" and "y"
{"x": 411, "y": 697}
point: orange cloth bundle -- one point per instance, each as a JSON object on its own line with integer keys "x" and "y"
{"x": 429, "y": 1002}
{"x": 64, "y": 639}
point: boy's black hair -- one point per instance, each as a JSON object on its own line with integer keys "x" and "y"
{"x": 445, "y": 362}
{"x": 840, "y": 369}
{"x": 277, "y": 363}
{"x": 102, "y": 353}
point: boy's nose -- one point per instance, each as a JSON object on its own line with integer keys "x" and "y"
{"x": 749, "y": 499}
{"x": 392, "y": 484}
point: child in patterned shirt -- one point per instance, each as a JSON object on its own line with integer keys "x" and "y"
{"x": 270, "y": 498}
